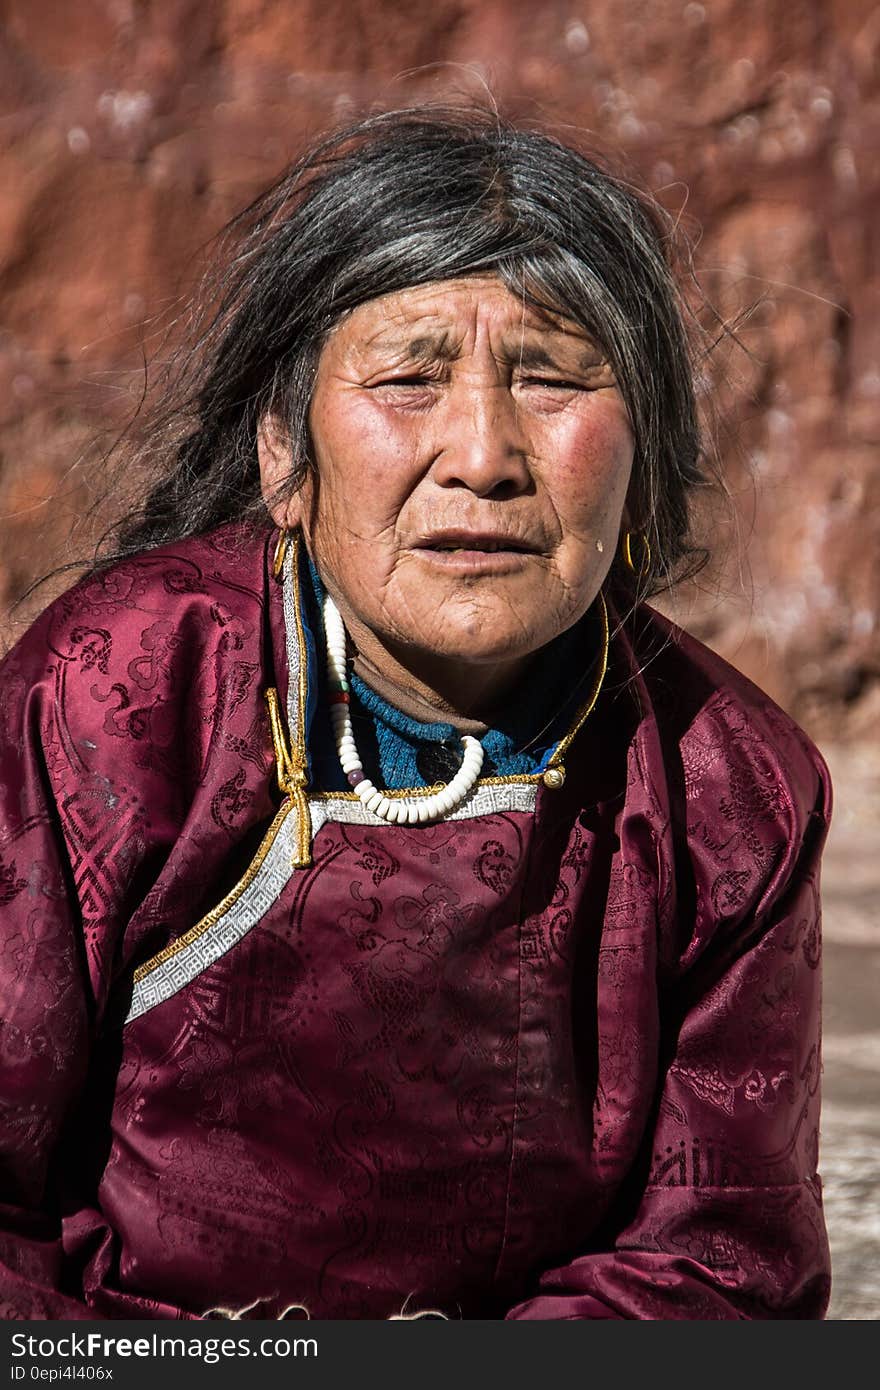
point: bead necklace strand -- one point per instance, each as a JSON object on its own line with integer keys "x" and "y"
{"x": 404, "y": 810}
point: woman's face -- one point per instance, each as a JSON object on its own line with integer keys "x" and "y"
{"x": 472, "y": 462}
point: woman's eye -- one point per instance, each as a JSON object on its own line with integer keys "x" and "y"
{"x": 553, "y": 383}
{"x": 404, "y": 381}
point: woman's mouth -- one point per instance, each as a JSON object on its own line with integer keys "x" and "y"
{"x": 475, "y": 552}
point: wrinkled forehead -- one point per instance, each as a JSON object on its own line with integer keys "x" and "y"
{"x": 435, "y": 319}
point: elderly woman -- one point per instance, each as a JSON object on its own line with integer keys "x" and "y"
{"x": 400, "y": 916}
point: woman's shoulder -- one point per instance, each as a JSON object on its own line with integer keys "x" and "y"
{"x": 710, "y": 709}
{"x": 205, "y": 585}
{"x": 128, "y": 681}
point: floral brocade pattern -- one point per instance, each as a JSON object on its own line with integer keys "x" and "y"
{"x": 549, "y": 1063}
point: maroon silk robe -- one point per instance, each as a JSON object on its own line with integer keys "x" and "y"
{"x": 554, "y": 1057}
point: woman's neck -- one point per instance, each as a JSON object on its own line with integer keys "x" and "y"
{"x": 412, "y": 703}
{"x": 431, "y": 688}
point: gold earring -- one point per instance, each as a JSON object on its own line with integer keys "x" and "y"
{"x": 280, "y": 552}
{"x": 626, "y": 551}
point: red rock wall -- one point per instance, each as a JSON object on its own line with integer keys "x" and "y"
{"x": 130, "y": 131}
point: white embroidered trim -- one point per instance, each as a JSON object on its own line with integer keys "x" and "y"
{"x": 483, "y": 801}
{"x": 295, "y": 657}
{"x": 179, "y": 970}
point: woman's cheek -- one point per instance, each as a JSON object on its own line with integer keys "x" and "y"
{"x": 598, "y": 455}
{"x": 380, "y": 448}
{"x": 366, "y": 475}
{"x": 588, "y": 487}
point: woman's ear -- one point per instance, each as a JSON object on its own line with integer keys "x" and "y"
{"x": 276, "y": 459}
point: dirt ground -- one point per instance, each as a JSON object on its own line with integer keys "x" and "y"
{"x": 850, "y": 1152}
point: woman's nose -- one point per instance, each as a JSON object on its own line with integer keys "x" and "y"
{"x": 480, "y": 443}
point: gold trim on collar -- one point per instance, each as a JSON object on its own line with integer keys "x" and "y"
{"x": 291, "y": 761}
{"x": 583, "y": 714}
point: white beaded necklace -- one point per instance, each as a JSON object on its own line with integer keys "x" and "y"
{"x": 404, "y": 810}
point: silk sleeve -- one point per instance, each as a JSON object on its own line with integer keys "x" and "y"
{"x": 724, "y": 1218}
{"x": 58, "y": 904}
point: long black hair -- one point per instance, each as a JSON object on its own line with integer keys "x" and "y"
{"x": 402, "y": 199}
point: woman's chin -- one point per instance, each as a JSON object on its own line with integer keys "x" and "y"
{"x": 481, "y": 651}
{"x": 492, "y": 634}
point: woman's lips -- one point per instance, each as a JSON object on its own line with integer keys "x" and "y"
{"x": 470, "y": 554}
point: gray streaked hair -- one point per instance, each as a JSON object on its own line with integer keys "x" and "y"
{"x": 402, "y": 199}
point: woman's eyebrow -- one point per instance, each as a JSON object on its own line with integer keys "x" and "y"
{"x": 433, "y": 345}
{"x": 534, "y": 355}
{"x": 421, "y": 348}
